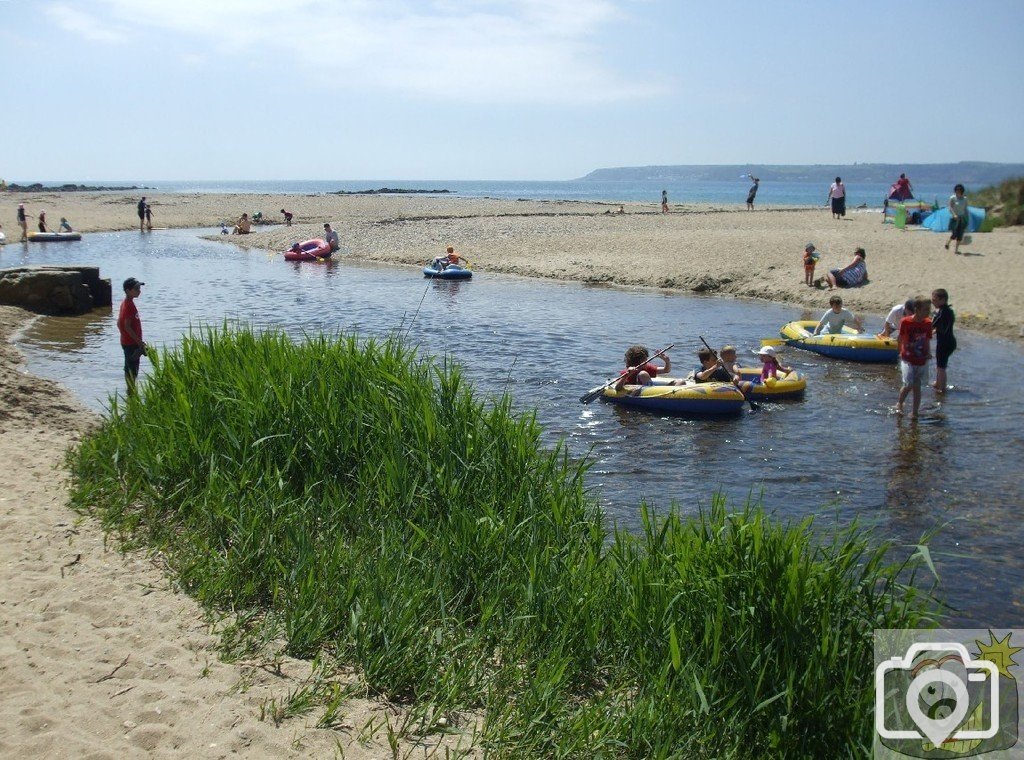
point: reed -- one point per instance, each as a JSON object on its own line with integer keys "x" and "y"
{"x": 366, "y": 508}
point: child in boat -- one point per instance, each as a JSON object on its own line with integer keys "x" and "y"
{"x": 836, "y": 318}
{"x": 64, "y": 226}
{"x": 810, "y": 259}
{"x": 640, "y": 371}
{"x": 771, "y": 366}
{"x": 915, "y": 351}
{"x": 454, "y": 258}
{"x": 712, "y": 369}
{"x": 945, "y": 342}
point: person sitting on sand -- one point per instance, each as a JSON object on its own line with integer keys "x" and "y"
{"x": 835, "y": 319}
{"x": 64, "y": 226}
{"x": 853, "y": 275}
{"x": 243, "y": 226}
{"x": 331, "y": 237}
{"x": 638, "y": 370}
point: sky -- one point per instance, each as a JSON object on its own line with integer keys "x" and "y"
{"x": 134, "y": 90}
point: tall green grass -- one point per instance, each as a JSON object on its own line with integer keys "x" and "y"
{"x": 1004, "y": 203}
{"x": 363, "y": 505}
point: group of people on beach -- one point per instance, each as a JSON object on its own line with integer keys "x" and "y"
{"x": 853, "y": 275}
{"x": 24, "y": 216}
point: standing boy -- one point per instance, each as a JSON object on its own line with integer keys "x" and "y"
{"x": 130, "y": 326}
{"x": 915, "y": 351}
{"x": 141, "y": 209}
{"x": 753, "y": 192}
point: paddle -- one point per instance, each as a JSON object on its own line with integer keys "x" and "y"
{"x": 590, "y": 395}
{"x": 753, "y": 407}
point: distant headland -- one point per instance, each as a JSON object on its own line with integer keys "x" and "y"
{"x": 968, "y": 172}
{"x": 39, "y": 187}
{"x": 387, "y": 191}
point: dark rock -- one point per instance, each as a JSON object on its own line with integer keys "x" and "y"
{"x": 55, "y": 290}
{"x": 387, "y": 191}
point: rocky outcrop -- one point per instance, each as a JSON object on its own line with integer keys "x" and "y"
{"x": 39, "y": 187}
{"x": 55, "y": 289}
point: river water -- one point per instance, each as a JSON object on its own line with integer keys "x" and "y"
{"x": 839, "y": 454}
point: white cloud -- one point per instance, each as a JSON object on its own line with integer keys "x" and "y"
{"x": 75, "y": 21}
{"x": 482, "y": 51}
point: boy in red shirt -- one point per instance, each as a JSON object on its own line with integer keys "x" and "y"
{"x": 130, "y": 326}
{"x": 915, "y": 351}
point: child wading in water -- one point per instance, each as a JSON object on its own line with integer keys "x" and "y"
{"x": 915, "y": 351}
{"x": 945, "y": 342}
{"x": 810, "y": 259}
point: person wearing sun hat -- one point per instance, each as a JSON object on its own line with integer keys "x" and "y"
{"x": 810, "y": 260}
{"x": 130, "y": 326}
{"x": 771, "y": 367}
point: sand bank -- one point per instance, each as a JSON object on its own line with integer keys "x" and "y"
{"x": 724, "y": 250}
{"x": 100, "y": 656}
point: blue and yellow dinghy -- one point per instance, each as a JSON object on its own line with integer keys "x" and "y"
{"x": 690, "y": 400}
{"x": 787, "y": 385}
{"x": 850, "y": 344}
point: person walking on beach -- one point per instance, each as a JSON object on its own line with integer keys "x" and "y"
{"x": 287, "y": 217}
{"x": 752, "y": 192}
{"x": 837, "y": 196}
{"x": 129, "y": 325}
{"x": 149, "y": 217}
{"x": 23, "y": 222}
{"x": 141, "y": 209}
{"x": 664, "y": 201}
{"x": 331, "y": 237}
{"x": 42, "y": 221}
{"x": 958, "y": 219}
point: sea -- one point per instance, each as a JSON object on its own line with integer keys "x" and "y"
{"x": 770, "y": 193}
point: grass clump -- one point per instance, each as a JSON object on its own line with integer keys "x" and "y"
{"x": 1004, "y": 204}
{"x": 362, "y": 505}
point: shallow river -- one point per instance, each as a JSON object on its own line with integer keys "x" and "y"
{"x": 839, "y": 453}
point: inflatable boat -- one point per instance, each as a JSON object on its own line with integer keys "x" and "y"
{"x": 691, "y": 400}
{"x": 785, "y": 386}
{"x": 53, "y": 237}
{"x": 850, "y": 344}
{"x": 316, "y": 249}
{"x": 450, "y": 272}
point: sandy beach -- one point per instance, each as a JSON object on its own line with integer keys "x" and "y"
{"x": 706, "y": 249}
{"x": 102, "y": 657}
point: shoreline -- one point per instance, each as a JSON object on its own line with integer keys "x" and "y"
{"x": 710, "y": 249}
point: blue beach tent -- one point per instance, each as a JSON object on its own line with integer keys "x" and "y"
{"x": 938, "y": 221}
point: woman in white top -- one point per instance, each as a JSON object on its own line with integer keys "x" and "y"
{"x": 837, "y": 195}
{"x": 958, "y": 218}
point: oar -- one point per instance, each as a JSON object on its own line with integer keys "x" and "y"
{"x": 753, "y": 407}
{"x": 590, "y": 395}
